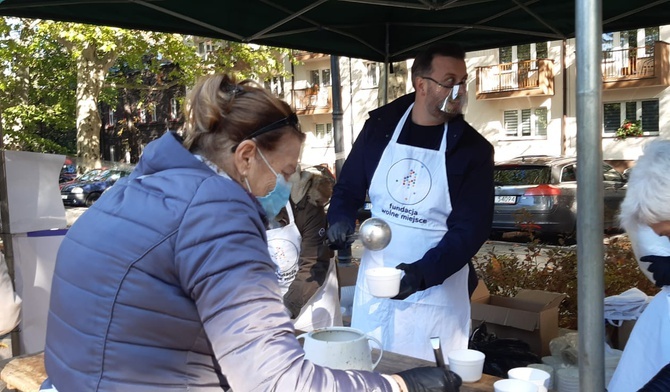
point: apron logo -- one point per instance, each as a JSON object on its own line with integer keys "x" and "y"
{"x": 408, "y": 181}
{"x": 285, "y": 255}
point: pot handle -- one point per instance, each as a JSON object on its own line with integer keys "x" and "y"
{"x": 302, "y": 336}
{"x": 381, "y": 350}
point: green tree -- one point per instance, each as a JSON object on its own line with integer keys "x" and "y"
{"x": 96, "y": 49}
{"x": 36, "y": 90}
{"x": 57, "y": 74}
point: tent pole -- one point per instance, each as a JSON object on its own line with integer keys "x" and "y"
{"x": 385, "y": 93}
{"x": 338, "y": 129}
{"x": 590, "y": 279}
{"x": 564, "y": 116}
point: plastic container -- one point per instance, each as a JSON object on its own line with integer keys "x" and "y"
{"x": 468, "y": 364}
{"x": 536, "y": 376}
{"x": 510, "y": 385}
{"x": 383, "y": 282}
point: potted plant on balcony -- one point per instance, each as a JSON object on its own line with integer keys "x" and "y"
{"x": 629, "y": 128}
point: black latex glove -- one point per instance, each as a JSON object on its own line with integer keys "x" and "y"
{"x": 412, "y": 281}
{"x": 431, "y": 379}
{"x": 340, "y": 235}
{"x": 660, "y": 382}
{"x": 660, "y": 268}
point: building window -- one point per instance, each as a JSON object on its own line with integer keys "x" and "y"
{"x": 320, "y": 77}
{"x": 513, "y": 54}
{"x": 526, "y": 122}
{"x": 111, "y": 118}
{"x": 371, "y": 75}
{"x": 324, "y": 132}
{"x": 174, "y": 109}
{"x": 651, "y": 35}
{"x": 615, "y": 113}
{"x": 541, "y": 50}
{"x": 628, "y": 39}
{"x": 204, "y": 49}
{"x": 154, "y": 114}
{"x": 505, "y": 54}
{"x": 276, "y": 85}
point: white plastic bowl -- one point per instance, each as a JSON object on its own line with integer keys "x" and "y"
{"x": 511, "y": 385}
{"x": 383, "y": 282}
{"x": 468, "y": 364}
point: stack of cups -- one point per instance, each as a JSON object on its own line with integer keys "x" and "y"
{"x": 468, "y": 364}
{"x": 538, "y": 377}
{"x": 567, "y": 379}
{"x": 547, "y": 369}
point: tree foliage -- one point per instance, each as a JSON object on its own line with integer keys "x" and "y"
{"x": 56, "y": 74}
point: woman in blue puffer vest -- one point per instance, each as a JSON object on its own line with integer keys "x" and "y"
{"x": 166, "y": 284}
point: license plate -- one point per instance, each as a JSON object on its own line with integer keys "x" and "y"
{"x": 63, "y": 196}
{"x": 368, "y": 206}
{"x": 505, "y": 199}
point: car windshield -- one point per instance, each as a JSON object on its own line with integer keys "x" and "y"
{"x": 110, "y": 175}
{"x": 89, "y": 175}
{"x": 521, "y": 175}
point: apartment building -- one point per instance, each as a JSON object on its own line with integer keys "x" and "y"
{"x": 310, "y": 93}
{"x": 521, "y": 98}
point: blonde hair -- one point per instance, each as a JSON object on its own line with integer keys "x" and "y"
{"x": 647, "y": 199}
{"x": 220, "y": 113}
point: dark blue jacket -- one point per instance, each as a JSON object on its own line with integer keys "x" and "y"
{"x": 469, "y": 160}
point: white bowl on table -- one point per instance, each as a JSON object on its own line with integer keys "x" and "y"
{"x": 469, "y": 364}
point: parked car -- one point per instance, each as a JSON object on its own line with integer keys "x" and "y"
{"x": 88, "y": 176}
{"x": 87, "y": 192}
{"x": 539, "y": 193}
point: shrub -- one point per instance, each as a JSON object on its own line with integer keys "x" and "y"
{"x": 506, "y": 273}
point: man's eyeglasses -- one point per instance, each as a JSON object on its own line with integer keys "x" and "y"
{"x": 442, "y": 85}
{"x": 290, "y": 120}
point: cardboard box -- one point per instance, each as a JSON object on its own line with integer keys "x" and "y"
{"x": 531, "y": 316}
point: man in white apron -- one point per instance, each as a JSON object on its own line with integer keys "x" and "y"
{"x": 430, "y": 177}
{"x": 645, "y": 215}
{"x": 305, "y": 272}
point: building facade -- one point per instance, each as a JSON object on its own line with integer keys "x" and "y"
{"x": 521, "y": 98}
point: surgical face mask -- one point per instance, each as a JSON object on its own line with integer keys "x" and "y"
{"x": 274, "y": 201}
{"x": 455, "y": 101}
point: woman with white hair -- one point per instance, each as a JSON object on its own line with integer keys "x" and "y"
{"x": 645, "y": 215}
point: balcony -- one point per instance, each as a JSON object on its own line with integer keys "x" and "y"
{"x": 313, "y": 100}
{"x": 637, "y": 67}
{"x": 521, "y": 79}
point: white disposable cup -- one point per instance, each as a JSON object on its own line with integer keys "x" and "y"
{"x": 468, "y": 364}
{"x": 383, "y": 282}
{"x": 547, "y": 369}
{"x": 536, "y": 376}
{"x": 511, "y": 385}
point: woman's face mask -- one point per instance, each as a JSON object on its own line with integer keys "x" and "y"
{"x": 277, "y": 198}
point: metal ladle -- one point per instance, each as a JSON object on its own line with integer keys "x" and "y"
{"x": 374, "y": 233}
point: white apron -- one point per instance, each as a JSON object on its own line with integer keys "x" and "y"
{"x": 323, "y": 309}
{"x": 648, "y": 347}
{"x": 284, "y": 248}
{"x": 409, "y": 190}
